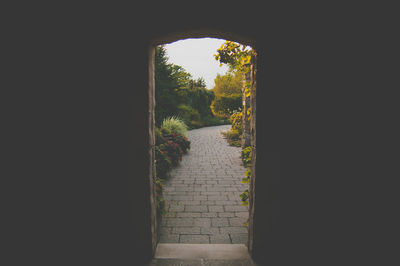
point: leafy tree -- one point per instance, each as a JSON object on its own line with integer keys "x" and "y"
{"x": 199, "y": 83}
{"x": 236, "y": 56}
{"x": 165, "y": 85}
{"x": 228, "y": 93}
{"x": 180, "y": 76}
{"x": 178, "y": 94}
{"x": 225, "y": 105}
{"x": 228, "y": 84}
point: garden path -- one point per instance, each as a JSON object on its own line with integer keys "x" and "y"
{"x": 202, "y": 194}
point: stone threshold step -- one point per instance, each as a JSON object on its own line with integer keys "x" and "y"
{"x": 201, "y": 251}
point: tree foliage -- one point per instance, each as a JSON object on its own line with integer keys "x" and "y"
{"x": 165, "y": 86}
{"x": 228, "y": 84}
{"x": 236, "y": 56}
{"x": 225, "y": 105}
{"x": 178, "y": 94}
{"x": 228, "y": 93}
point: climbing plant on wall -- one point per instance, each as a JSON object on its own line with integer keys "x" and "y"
{"x": 238, "y": 58}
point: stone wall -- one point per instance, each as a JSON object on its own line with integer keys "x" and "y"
{"x": 84, "y": 146}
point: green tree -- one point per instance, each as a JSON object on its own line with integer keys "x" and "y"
{"x": 228, "y": 93}
{"x": 226, "y": 105}
{"x": 178, "y": 94}
{"x": 236, "y": 56}
{"x": 228, "y": 84}
{"x": 165, "y": 86}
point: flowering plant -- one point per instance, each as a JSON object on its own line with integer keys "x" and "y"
{"x": 163, "y": 162}
{"x": 160, "y": 201}
{"x": 173, "y": 151}
{"x": 181, "y": 140}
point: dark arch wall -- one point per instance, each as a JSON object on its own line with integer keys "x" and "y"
{"x": 86, "y": 147}
{"x": 173, "y": 36}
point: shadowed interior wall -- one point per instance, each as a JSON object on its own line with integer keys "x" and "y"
{"x": 87, "y": 104}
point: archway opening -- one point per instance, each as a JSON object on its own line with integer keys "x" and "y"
{"x": 201, "y": 213}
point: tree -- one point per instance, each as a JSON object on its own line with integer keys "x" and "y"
{"x": 239, "y": 59}
{"x": 236, "y": 56}
{"x": 165, "y": 84}
{"x": 180, "y": 76}
{"x": 228, "y": 84}
{"x": 178, "y": 94}
{"x": 226, "y": 105}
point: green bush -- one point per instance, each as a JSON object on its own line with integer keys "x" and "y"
{"x": 233, "y": 134}
{"x": 174, "y": 125}
{"x": 173, "y": 151}
{"x": 181, "y": 140}
{"x": 244, "y": 197}
{"x": 197, "y": 124}
{"x": 237, "y": 122}
{"x": 163, "y": 162}
{"x": 225, "y": 104}
{"x": 213, "y": 121}
{"x": 165, "y": 131}
{"x": 233, "y": 137}
{"x": 246, "y": 156}
{"x": 160, "y": 202}
{"x": 236, "y": 143}
{"x": 159, "y": 136}
{"x": 187, "y": 113}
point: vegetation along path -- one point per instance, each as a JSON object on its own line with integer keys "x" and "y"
{"x": 202, "y": 194}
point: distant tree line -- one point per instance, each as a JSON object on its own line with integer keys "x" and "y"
{"x": 178, "y": 94}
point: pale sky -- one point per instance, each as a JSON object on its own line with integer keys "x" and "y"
{"x": 196, "y": 57}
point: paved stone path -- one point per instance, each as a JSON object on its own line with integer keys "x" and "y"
{"x": 202, "y": 195}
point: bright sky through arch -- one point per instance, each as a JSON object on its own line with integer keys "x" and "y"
{"x": 196, "y": 56}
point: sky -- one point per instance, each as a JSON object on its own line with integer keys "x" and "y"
{"x": 196, "y": 57}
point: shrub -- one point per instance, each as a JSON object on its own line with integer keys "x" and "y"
{"x": 213, "y": 121}
{"x": 160, "y": 202}
{"x": 197, "y": 124}
{"x": 246, "y": 156}
{"x": 233, "y": 137}
{"x": 163, "y": 162}
{"x": 181, "y": 140}
{"x": 236, "y": 143}
{"x": 224, "y": 104}
{"x": 237, "y": 122}
{"x": 244, "y": 197}
{"x": 174, "y": 125}
{"x": 188, "y": 114}
{"x": 233, "y": 134}
{"x": 173, "y": 151}
{"x": 165, "y": 131}
{"x": 160, "y": 139}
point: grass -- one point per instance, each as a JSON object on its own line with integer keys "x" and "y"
{"x": 175, "y": 125}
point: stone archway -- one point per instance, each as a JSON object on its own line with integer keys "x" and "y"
{"x": 172, "y": 37}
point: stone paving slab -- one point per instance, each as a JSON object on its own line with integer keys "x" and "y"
{"x": 200, "y": 254}
{"x": 202, "y": 194}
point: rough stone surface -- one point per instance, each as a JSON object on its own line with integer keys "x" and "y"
{"x": 202, "y": 194}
